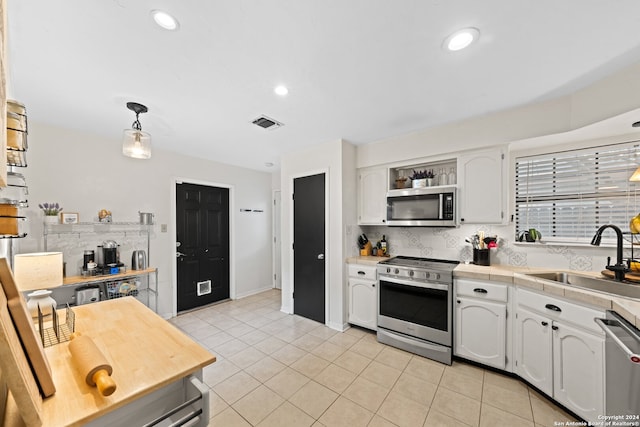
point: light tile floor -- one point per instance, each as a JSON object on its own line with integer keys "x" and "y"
{"x": 281, "y": 370}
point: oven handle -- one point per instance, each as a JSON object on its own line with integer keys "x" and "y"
{"x": 426, "y": 285}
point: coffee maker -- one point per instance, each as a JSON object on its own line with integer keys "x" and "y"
{"x": 108, "y": 255}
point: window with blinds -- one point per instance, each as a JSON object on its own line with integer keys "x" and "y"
{"x": 568, "y": 195}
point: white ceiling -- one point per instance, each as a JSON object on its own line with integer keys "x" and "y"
{"x": 361, "y": 70}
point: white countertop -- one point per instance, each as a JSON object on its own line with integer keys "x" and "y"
{"x": 626, "y": 307}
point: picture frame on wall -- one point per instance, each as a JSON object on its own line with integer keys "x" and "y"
{"x": 69, "y": 218}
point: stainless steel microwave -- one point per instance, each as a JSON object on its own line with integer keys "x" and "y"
{"x": 422, "y": 207}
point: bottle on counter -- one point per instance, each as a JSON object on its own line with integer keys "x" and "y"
{"x": 383, "y": 245}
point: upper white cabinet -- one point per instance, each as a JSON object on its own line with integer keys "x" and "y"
{"x": 482, "y": 197}
{"x": 372, "y": 196}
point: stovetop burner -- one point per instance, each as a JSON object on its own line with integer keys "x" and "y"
{"x": 415, "y": 262}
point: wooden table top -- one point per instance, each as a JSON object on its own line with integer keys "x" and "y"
{"x": 75, "y": 280}
{"x": 146, "y": 352}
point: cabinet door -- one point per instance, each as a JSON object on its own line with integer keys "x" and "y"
{"x": 480, "y": 331}
{"x": 482, "y": 195}
{"x": 533, "y": 349}
{"x": 578, "y": 371}
{"x": 372, "y": 196}
{"x": 363, "y": 303}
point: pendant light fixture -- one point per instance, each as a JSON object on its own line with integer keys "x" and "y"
{"x": 136, "y": 143}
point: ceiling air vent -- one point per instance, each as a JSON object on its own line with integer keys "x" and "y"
{"x": 267, "y": 123}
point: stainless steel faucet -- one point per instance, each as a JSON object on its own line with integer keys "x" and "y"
{"x": 619, "y": 269}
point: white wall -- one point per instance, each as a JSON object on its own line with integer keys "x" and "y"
{"x": 86, "y": 173}
{"x": 612, "y": 96}
{"x": 330, "y": 158}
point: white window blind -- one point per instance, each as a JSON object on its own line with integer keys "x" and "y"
{"x": 568, "y": 195}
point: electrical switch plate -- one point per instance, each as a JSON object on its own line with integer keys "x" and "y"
{"x": 163, "y": 228}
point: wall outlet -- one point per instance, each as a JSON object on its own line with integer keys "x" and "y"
{"x": 163, "y": 228}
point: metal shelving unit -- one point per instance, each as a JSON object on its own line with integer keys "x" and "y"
{"x": 109, "y": 284}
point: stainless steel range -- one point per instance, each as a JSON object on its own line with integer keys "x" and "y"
{"x": 415, "y": 305}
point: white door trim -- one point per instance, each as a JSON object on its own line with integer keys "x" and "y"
{"x": 172, "y": 240}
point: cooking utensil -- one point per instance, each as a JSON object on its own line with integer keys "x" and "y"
{"x": 362, "y": 241}
{"x": 91, "y": 363}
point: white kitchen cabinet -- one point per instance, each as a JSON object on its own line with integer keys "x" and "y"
{"x": 533, "y": 349}
{"x": 560, "y": 350}
{"x": 578, "y": 370}
{"x": 480, "y": 328}
{"x": 482, "y": 190}
{"x": 363, "y": 296}
{"x": 373, "y": 184}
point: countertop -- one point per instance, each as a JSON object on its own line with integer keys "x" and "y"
{"x": 146, "y": 352}
{"x": 626, "y": 307}
{"x": 366, "y": 260}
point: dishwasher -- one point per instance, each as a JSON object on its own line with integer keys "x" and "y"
{"x": 622, "y": 361}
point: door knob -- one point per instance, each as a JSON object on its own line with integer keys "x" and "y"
{"x": 180, "y": 254}
{"x": 320, "y": 256}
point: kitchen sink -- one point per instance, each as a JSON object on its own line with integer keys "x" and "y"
{"x": 623, "y": 289}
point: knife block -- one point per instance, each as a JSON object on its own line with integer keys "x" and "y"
{"x": 367, "y": 250}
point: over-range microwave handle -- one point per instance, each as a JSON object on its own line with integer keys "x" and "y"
{"x": 425, "y": 285}
{"x": 440, "y": 206}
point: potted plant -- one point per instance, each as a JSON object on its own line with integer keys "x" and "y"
{"x": 51, "y": 211}
{"x": 430, "y": 177}
{"x": 531, "y": 235}
{"x": 418, "y": 178}
{"x": 423, "y": 178}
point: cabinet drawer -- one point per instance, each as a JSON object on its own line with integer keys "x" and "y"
{"x": 478, "y": 289}
{"x": 362, "y": 271}
{"x": 557, "y": 309}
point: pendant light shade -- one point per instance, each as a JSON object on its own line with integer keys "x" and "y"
{"x": 136, "y": 143}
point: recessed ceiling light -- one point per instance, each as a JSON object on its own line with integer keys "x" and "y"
{"x": 164, "y": 20}
{"x": 461, "y": 39}
{"x": 281, "y": 90}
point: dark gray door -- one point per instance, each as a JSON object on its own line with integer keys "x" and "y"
{"x": 309, "y": 247}
{"x": 202, "y": 227}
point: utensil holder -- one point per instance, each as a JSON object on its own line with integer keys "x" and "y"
{"x": 481, "y": 257}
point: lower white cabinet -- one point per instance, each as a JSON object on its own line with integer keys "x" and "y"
{"x": 560, "y": 350}
{"x": 481, "y": 322}
{"x": 534, "y": 361}
{"x": 578, "y": 371}
{"x": 363, "y": 296}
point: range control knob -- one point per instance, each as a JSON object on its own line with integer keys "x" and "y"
{"x": 397, "y": 271}
{"x": 427, "y": 275}
{"x": 388, "y": 269}
{"x": 438, "y": 276}
{"x": 411, "y": 273}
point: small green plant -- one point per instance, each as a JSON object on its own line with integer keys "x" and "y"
{"x": 531, "y": 235}
{"x": 50, "y": 209}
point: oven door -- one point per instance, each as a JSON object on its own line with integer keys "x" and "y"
{"x": 418, "y": 309}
